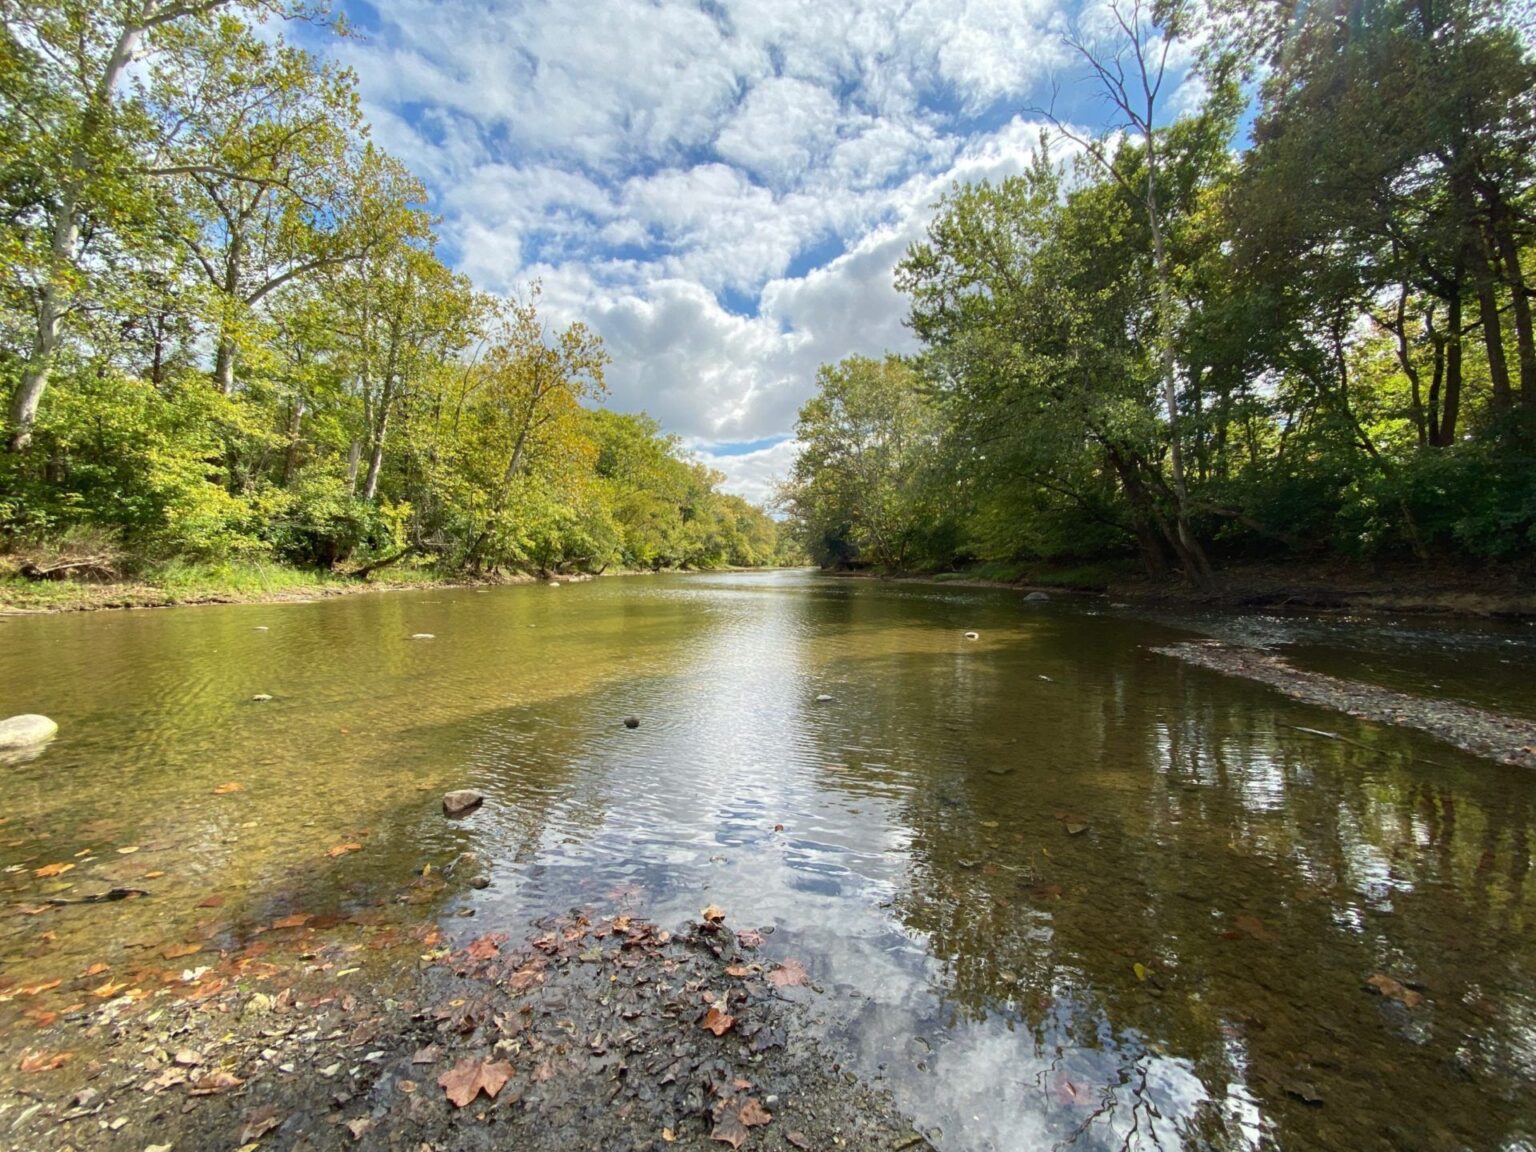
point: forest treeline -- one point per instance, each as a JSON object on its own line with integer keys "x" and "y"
{"x": 225, "y": 330}
{"x": 1294, "y": 322}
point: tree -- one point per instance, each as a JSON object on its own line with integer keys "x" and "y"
{"x": 869, "y": 441}
{"x": 78, "y": 148}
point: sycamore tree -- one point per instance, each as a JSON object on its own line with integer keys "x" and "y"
{"x": 77, "y": 139}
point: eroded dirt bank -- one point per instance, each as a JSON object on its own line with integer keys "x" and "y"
{"x": 597, "y": 1033}
{"x": 1507, "y": 739}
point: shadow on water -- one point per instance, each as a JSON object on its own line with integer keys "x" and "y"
{"x": 1059, "y": 891}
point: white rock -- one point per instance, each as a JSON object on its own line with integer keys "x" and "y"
{"x": 422, "y": 636}
{"x": 973, "y": 635}
{"x": 26, "y": 731}
{"x": 823, "y": 699}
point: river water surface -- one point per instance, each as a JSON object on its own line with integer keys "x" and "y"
{"x": 1056, "y": 890}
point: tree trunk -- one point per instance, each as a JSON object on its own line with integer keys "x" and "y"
{"x": 1196, "y": 567}
{"x": 354, "y": 458}
{"x": 61, "y": 255}
{"x": 1493, "y": 331}
{"x": 1450, "y": 407}
{"x": 1520, "y": 301}
{"x": 376, "y": 458}
{"x": 224, "y": 366}
{"x": 295, "y": 427}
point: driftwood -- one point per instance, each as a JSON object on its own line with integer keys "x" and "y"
{"x": 99, "y": 566}
{"x": 409, "y": 550}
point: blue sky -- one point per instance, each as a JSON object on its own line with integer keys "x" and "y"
{"x": 720, "y": 189}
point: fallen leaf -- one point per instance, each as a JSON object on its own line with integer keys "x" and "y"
{"x": 226, "y": 789}
{"x": 1075, "y": 829}
{"x": 211, "y": 902}
{"x": 1251, "y": 926}
{"x": 359, "y": 1126}
{"x": 427, "y": 1055}
{"x": 713, "y": 914}
{"x": 729, "y": 1130}
{"x": 96, "y": 969}
{"x": 52, "y": 870}
{"x": 754, "y": 1114}
{"x": 177, "y": 951}
{"x": 1140, "y": 969}
{"x": 297, "y": 920}
{"x": 259, "y": 1122}
{"x": 749, "y": 938}
{"x": 343, "y": 849}
{"x": 738, "y": 970}
{"x": 717, "y": 1021}
{"x": 34, "y": 989}
{"x": 789, "y": 973}
{"x": 108, "y": 990}
{"x": 799, "y": 1141}
{"x": 33, "y": 909}
{"x": 128, "y": 850}
{"x": 668, "y": 1135}
{"x": 214, "y": 1083}
{"x": 43, "y": 1061}
{"x": 486, "y": 946}
{"x": 1394, "y": 990}
{"x": 406, "y": 1086}
{"x": 466, "y": 1079}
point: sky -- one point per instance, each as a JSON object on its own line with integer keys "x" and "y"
{"x": 721, "y": 190}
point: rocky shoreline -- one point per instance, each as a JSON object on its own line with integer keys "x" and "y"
{"x": 588, "y": 1033}
{"x": 1507, "y": 739}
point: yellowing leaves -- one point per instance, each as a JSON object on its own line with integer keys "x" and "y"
{"x": 48, "y": 870}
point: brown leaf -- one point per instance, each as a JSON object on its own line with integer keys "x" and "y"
{"x": 465, "y": 1080}
{"x": 717, "y": 1021}
{"x": 43, "y": 1061}
{"x": 754, "y": 1114}
{"x": 1394, "y": 990}
{"x": 177, "y": 951}
{"x": 359, "y": 1126}
{"x": 259, "y": 1122}
{"x": 214, "y": 901}
{"x": 214, "y": 1083}
{"x": 738, "y": 970}
{"x": 1251, "y": 926}
{"x": 713, "y": 914}
{"x": 96, "y": 969}
{"x": 427, "y": 1055}
{"x": 486, "y": 946}
{"x": 729, "y": 1130}
{"x": 343, "y": 849}
{"x": 52, "y": 870}
{"x": 34, "y": 989}
{"x": 297, "y": 920}
{"x": 799, "y": 1141}
{"x": 226, "y": 789}
{"x": 789, "y": 973}
{"x": 749, "y": 938}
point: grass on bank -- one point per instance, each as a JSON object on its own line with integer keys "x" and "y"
{"x": 179, "y": 581}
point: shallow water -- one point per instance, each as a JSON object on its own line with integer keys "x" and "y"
{"x": 1057, "y": 890}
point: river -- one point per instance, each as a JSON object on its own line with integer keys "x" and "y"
{"x": 1056, "y": 890}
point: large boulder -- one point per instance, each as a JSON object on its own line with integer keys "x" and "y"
{"x": 462, "y": 801}
{"x": 26, "y": 731}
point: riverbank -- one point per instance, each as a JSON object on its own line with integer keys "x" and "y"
{"x": 1492, "y": 591}
{"x": 588, "y": 1032}
{"x": 181, "y": 585}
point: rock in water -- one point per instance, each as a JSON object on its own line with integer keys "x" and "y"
{"x": 823, "y": 699}
{"x": 631, "y": 721}
{"x": 422, "y": 636}
{"x": 463, "y": 800}
{"x": 261, "y": 698}
{"x": 554, "y": 583}
{"x": 973, "y": 635}
{"x": 1036, "y": 597}
{"x": 26, "y": 731}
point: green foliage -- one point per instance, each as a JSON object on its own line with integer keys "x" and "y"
{"x": 1167, "y": 350}
{"x": 229, "y": 342}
